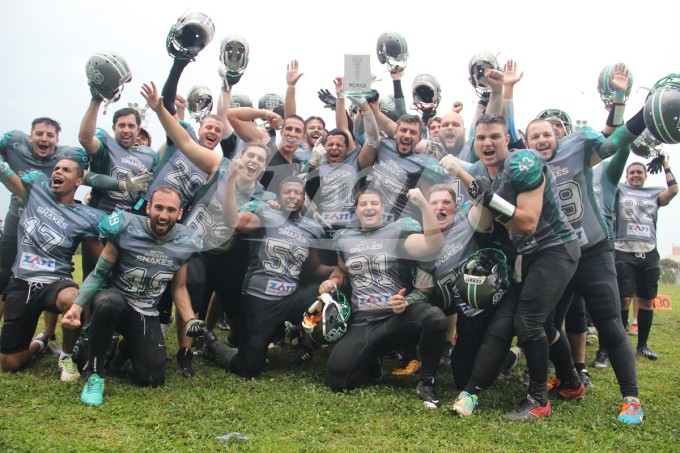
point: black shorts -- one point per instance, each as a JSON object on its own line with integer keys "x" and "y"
{"x": 638, "y": 273}
{"x": 24, "y": 303}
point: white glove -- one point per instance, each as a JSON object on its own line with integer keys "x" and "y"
{"x": 318, "y": 153}
{"x": 138, "y": 183}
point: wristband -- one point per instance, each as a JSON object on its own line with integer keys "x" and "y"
{"x": 619, "y": 94}
{"x": 667, "y": 170}
{"x": 615, "y": 117}
{"x": 672, "y": 182}
{"x": 502, "y": 209}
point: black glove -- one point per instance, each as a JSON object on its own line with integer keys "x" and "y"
{"x": 327, "y": 98}
{"x": 194, "y": 328}
{"x": 233, "y": 80}
{"x": 480, "y": 190}
{"x": 655, "y": 165}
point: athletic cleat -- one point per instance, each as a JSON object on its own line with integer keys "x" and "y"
{"x": 93, "y": 392}
{"x": 407, "y": 368}
{"x": 184, "y": 359}
{"x": 464, "y": 404}
{"x": 506, "y": 374}
{"x": 633, "y": 332}
{"x": 302, "y": 354}
{"x": 223, "y": 325}
{"x": 42, "y": 339}
{"x": 631, "y": 412}
{"x": 646, "y": 352}
{"x": 294, "y": 333}
{"x": 68, "y": 369}
{"x": 562, "y": 392}
{"x": 554, "y": 383}
{"x": 529, "y": 409}
{"x": 53, "y": 347}
{"x": 586, "y": 378}
{"x": 426, "y": 392}
{"x": 601, "y": 360}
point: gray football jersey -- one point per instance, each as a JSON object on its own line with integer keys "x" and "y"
{"x": 377, "y": 265}
{"x": 114, "y": 160}
{"x": 523, "y": 171}
{"x": 278, "y": 250}
{"x": 50, "y": 232}
{"x": 394, "y": 175}
{"x": 16, "y": 149}
{"x": 146, "y": 264}
{"x": 636, "y": 213}
{"x": 574, "y": 176}
{"x": 174, "y": 169}
{"x": 335, "y": 198}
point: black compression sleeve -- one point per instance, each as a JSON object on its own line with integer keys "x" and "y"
{"x": 170, "y": 88}
{"x": 398, "y": 92}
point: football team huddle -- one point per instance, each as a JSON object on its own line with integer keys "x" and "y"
{"x": 391, "y": 234}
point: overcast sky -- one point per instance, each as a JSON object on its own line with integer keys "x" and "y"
{"x": 561, "y": 47}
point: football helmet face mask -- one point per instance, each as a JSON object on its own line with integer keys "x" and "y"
{"x": 191, "y": 34}
{"x": 427, "y": 93}
{"x": 234, "y": 54}
{"x": 662, "y": 109}
{"x": 646, "y": 146}
{"x": 325, "y": 321}
{"x": 559, "y": 114}
{"x": 388, "y": 106}
{"x": 606, "y": 92}
{"x": 107, "y": 73}
{"x": 479, "y": 63}
{"x": 272, "y": 102}
{"x": 392, "y": 50}
{"x": 483, "y": 278}
{"x": 240, "y": 100}
{"x": 199, "y": 102}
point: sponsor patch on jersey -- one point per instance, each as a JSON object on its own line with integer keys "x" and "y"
{"x": 336, "y": 217}
{"x": 639, "y": 230}
{"x": 279, "y": 288}
{"x": 581, "y": 236}
{"x": 374, "y": 299}
{"x": 387, "y": 218}
{"x": 36, "y": 263}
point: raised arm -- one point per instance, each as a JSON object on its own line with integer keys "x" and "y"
{"x": 202, "y": 157}
{"x": 369, "y": 151}
{"x": 292, "y": 77}
{"x": 88, "y": 127}
{"x": 428, "y": 243}
{"x": 246, "y": 222}
{"x": 242, "y": 120}
{"x": 667, "y": 195}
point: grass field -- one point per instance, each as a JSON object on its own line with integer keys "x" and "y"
{"x": 289, "y": 409}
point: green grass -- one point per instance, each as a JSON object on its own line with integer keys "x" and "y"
{"x": 289, "y": 409}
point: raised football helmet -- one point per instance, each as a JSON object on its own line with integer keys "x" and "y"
{"x": 479, "y": 63}
{"x": 272, "y": 102}
{"x": 388, "y": 106}
{"x": 426, "y": 93}
{"x": 662, "y": 109}
{"x": 392, "y": 50}
{"x": 606, "y": 92}
{"x": 234, "y": 52}
{"x": 645, "y": 145}
{"x": 191, "y": 34}
{"x": 325, "y": 321}
{"x": 107, "y": 73}
{"x": 560, "y": 115}
{"x": 241, "y": 100}
{"x": 483, "y": 278}
{"x": 199, "y": 102}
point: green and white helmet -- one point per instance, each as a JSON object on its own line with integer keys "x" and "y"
{"x": 606, "y": 91}
{"x": 325, "y": 321}
{"x": 199, "y": 102}
{"x": 662, "y": 109}
{"x": 234, "y": 55}
{"x": 191, "y": 33}
{"x": 107, "y": 73}
{"x": 392, "y": 50}
{"x": 483, "y": 278}
{"x": 388, "y": 106}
